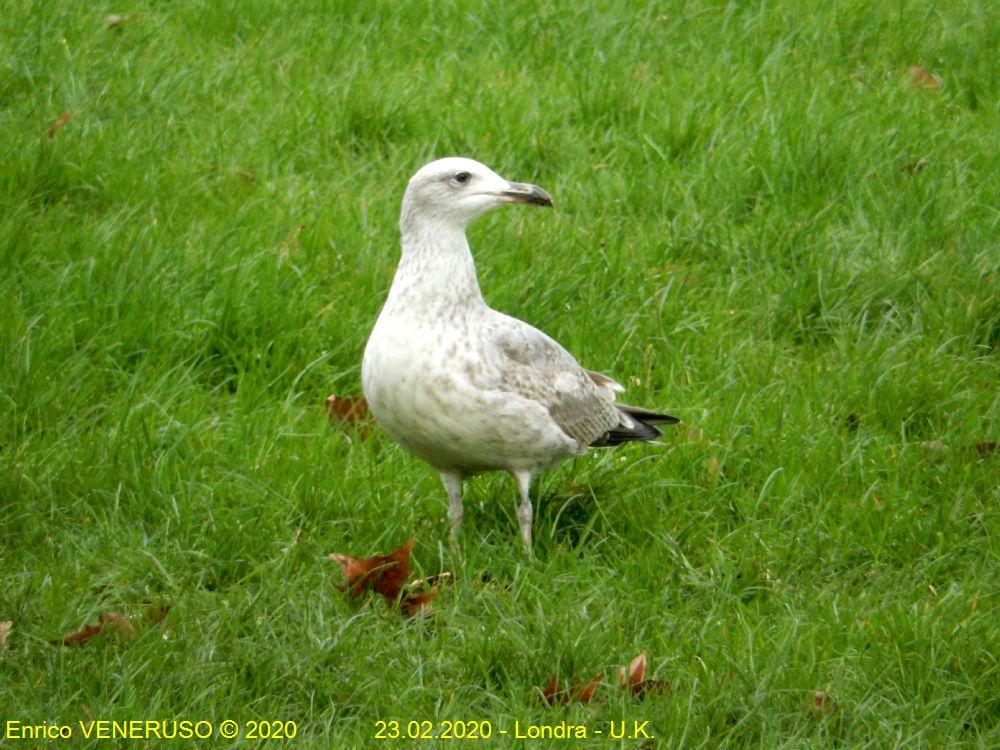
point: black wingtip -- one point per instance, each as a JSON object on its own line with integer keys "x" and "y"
{"x": 647, "y": 416}
{"x": 642, "y": 428}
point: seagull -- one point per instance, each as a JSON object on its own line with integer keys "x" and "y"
{"x": 463, "y": 386}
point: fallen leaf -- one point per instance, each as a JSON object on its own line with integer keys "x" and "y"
{"x": 386, "y": 574}
{"x": 80, "y": 637}
{"x": 633, "y": 678}
{"x": 552, "y": 695}
{"x": 57, "y": 125}
{"x": 415, "y": 603}
{"x": 118, "y": 621}
{"x": 351, "y": 410}
{"x": 583, "y": 693}
{"x": 821, "y": 704}
{"x": 88, "y": 632}
{"x": 922, "y": 79}
{"x": 117, "y": 20}
{"x": 415, "y": 600}
{"x": 248, "y": 177}
{"x": 5, "y": 628}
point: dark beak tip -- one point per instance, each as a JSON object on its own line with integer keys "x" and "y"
{"x": 544, "y": 199}
{"x": 531, "y": 195}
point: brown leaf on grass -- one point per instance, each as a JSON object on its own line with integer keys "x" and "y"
{"x": 581, "y": 692}
{"x": 386, "y": 574}
{"x": 5, "y": 628}
{"x": 552, "y": 695}
{"x": 922, "y": 79}
{"x": 416, "y": 601}
{"x": 87, "y": 633}
{"x": 352, "y": 410}
{"x": 57, "y": 125}
{"x": 413, "y": 604}
{"x": 632, "y": 675}
{"x": 118, "y": 621}
{"x": 633, "y": 678}
{"x": 821, "y": 704}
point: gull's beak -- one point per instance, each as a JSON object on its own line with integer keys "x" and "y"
{"x": 521, "y": 192}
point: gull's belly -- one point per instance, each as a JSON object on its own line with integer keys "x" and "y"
{"x": 422, "y": 393}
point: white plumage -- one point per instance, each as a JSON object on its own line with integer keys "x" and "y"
{"x": 462, "y": 386}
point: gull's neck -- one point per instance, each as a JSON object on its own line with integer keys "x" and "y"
{"x": 436, "y": 275}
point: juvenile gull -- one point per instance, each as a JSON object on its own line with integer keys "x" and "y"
{"x": 462, "y": 386}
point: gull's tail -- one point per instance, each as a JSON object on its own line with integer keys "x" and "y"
{"x": 642, "y": 426}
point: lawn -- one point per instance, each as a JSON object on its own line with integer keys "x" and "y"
{"x": 778, "y": 220}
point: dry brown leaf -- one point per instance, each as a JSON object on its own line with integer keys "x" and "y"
{"x": 352, "y": 410}
{"x": 634, "y": 673}
{"x": 583, "y": 693}
{"x": 386, "y": 574}
{"x": 81, "y": 636}
{"x": 416, "y": 601}
{"x": 58, "y": 125}
{"x": 821, "y": 704}
{"x": 922, "y": 79}
{"x": 5, "y": 628}
{"x": 413, "y": 604}
{"x": 87, "y": 633}
{"x": 552, "y": 695}
{"x": 118, "y": 621}
{"x": 633, "y": 678}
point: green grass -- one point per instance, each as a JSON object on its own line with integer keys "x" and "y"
{"x": 193, "y": 263}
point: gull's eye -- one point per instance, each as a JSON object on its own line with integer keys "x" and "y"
{"x": 462, "y": 177}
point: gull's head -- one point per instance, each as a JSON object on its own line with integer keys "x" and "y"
{"x": 457, "y": 191}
